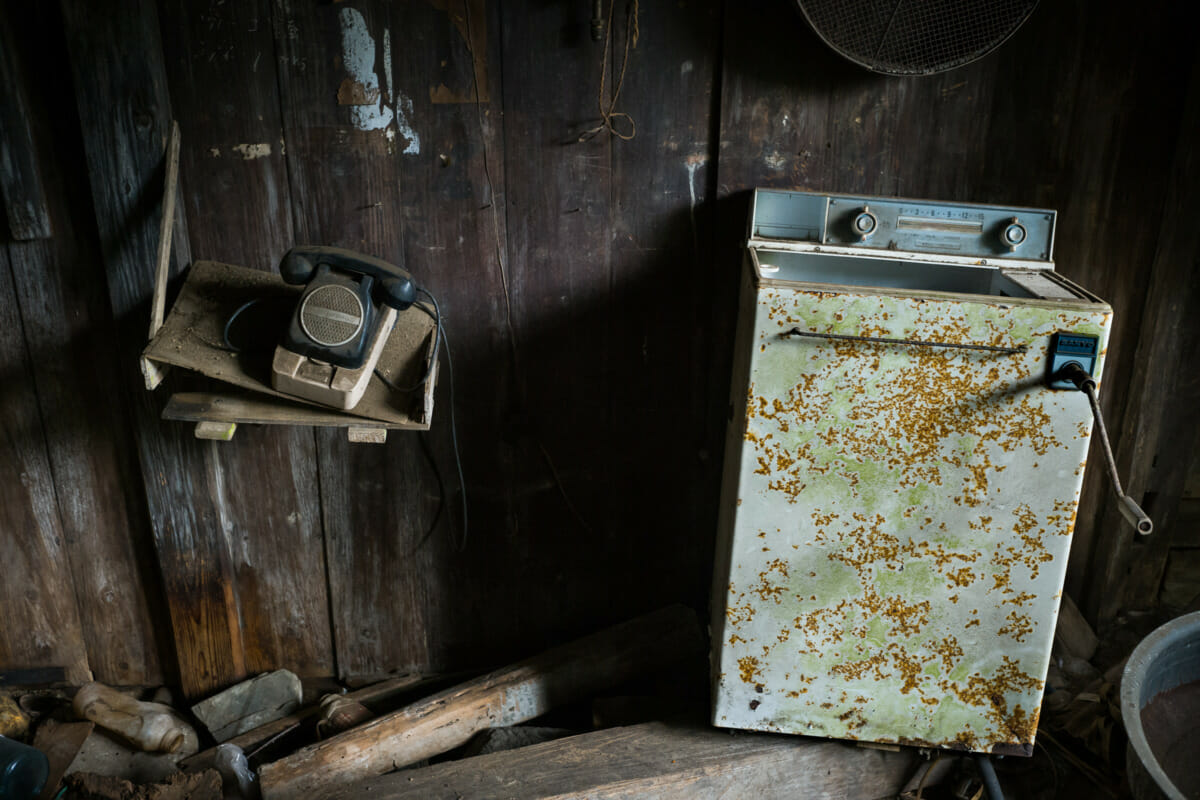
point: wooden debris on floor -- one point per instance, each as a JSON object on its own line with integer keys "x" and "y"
{"x": 508, "y": 696}
{"x": 655, "y": 760}
{"x": 263, "y": 735}
{"x": 197, "y": 786}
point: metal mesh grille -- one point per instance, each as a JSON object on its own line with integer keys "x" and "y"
{"x": 331, "y": 315}
{"x": 915, "y": 37}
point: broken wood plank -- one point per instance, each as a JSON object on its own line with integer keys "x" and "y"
{"x": 507, "y": 696}
{"x": 655, "y": 760}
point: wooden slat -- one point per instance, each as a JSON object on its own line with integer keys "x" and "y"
{"x": 253, "y": 410}
{"x": 69, "y": 330}
{"x": 658, "y": 340}
{"x": 42, "y": 626}
{"x": 376, "y": 502}
{"x": 21, "y": 187}
{"x": 517, "y": 693}
{"x": 656, "y": 760}
{"x": 1159, "y": 437}
{"x": 453, "y": 202}
{"x": 223, "y": 78}
{"x": 558, "y": 196}
{"x": 116, "y": 61}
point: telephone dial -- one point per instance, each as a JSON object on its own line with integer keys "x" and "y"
{"x": 340, "y": 325}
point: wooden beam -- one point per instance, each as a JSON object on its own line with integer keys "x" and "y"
{"x": 508, "y": 696}
{"x": 655, "y": 760}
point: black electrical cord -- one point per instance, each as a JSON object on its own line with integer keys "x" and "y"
{"x": 433, "y": 357}
{"x": 440, "y": 342}
{"x": 230, "y": 346}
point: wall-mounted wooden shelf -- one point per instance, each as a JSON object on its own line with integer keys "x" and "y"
{"x": 193, "y": 337}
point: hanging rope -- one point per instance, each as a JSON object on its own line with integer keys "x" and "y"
{"x": 608, "y": 113}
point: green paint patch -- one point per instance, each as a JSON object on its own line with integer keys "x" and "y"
{"x": 917, "y": 579}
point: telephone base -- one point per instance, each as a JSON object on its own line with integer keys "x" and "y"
{"x": 339, "y": 387}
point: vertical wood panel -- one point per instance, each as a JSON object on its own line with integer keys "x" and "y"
{"x": 116, "y": 62}
{"x": 1093, "y": 136}
{"x": 42, "y": 626}
{"x": 223, "y": 84}
{"x": 454, "y": 214}
{"x": 345, "y": 191}
{"x": 20, "y": 176}
{"x": 68, "y": 330}
{"x": 1160, "y": 435}
{"x": 658, "y": 446}
{"x": 556, "y": 571}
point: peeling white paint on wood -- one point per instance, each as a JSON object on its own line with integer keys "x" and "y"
{"x": 252, "y": 151}
{"x": 358, "y": 57}
{"x": 404, "y": 108}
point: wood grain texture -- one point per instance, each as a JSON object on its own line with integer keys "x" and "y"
{"x": 116, "y": 61}
{"x": 657, "y": 338}
{"x": 42, "y": 622}
{"x": 69, "y": 330}
{"x": 223, "y": 79}
{"x": 376, "y": 502}
{"x": 656, "y": 760}
{"x": 454, "y": 228}
{"x": 21, "y": 187}
{"x": 254, "y": 409}
{"x": 1095, "y": 138}
{"x": 517, "y": 693}
{"x": 1160, "y": 437}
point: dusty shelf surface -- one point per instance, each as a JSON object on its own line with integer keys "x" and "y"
{"x": 193, "y": 337}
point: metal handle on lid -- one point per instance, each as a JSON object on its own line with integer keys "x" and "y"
{"x": 912, "y": 342}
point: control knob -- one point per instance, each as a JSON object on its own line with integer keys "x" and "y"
{"x": 1014, "y": 234}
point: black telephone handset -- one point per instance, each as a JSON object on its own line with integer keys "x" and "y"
{"x": 340, "y": 310}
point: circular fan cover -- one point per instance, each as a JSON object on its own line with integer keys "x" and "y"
{"x": 915, "y": 37}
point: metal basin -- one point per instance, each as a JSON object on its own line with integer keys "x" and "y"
{"x": 1160, "y": 705}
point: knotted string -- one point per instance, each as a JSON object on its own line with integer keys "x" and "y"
{"x": 609, "y": 115}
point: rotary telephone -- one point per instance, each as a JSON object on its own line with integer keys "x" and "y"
{"x": 340, "y": 325}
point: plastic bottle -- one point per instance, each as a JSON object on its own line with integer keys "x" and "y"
{"x": 151, "y": 726}
{"x": 23, "y": 770}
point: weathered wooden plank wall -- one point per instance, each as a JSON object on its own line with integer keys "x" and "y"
{"x": 587, "y": 288}
{"x": 68, "y": 332}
